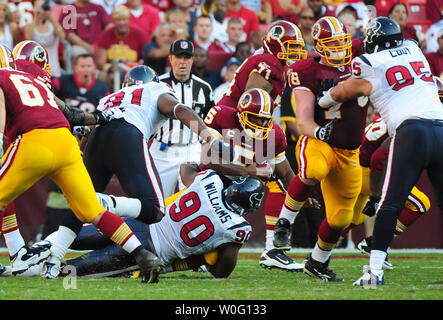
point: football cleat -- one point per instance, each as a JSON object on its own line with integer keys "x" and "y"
{"x": 2, "y": 269}
{"x": 29, "y": 256}
{"x": 150, "y": 265}
{"x": 364, "y": 246}
{"x": 107, "y": 201}
{"x": 282, "y": 232}
{"x": 370, "y": 279}
{"x": 51, "y": 268}
{"x": 320, "y": 270}
{"x": 277, "y": 259}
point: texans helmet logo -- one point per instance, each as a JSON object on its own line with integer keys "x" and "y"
{"x": 255, "y": 199}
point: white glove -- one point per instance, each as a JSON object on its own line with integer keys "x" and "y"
{"x": 326, "y": 100}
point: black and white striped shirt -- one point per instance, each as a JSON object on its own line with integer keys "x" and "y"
{"x": 194, "y": 93}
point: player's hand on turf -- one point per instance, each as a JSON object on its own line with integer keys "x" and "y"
{"x": 324, "y": 133}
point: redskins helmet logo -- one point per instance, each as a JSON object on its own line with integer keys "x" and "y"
{"x": 245, "y": 101}
{"x": 276, "y": 32}
{"x": 316, "y": 29}
{"x": 39, "y": 54}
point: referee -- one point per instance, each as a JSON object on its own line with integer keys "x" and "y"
{"x": 174, "y": 143}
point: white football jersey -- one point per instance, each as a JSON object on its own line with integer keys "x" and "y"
{"x": 198, "y": 222}
{"x": 139, "y": 105}
{"x": 402, "y": 84}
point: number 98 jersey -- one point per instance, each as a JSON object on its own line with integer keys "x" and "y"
{"x": 197, "y": 221}
{"x": 402, "y": 84}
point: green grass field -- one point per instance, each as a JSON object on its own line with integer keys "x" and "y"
{"x": 417, "y": 276}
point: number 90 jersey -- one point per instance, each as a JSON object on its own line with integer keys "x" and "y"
{"x": 197, "y": 221}
{"x": 29, "y": 104}
{"x": 139, "y": 105}
{"x": 402, "y": 84}
{"x": 310, "y": 74}
{"x": 265, "y": 64}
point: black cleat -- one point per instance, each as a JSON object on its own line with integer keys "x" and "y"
{"x": 320, "y": 270}
{"x": 150, "y": 265}
{"x": 282, "y": 231}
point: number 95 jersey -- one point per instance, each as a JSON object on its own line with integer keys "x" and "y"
{"x": 402, "y": 84}
{"x": 197, "y": 221}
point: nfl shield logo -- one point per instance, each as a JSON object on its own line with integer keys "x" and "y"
{"x": 184, "y": 45}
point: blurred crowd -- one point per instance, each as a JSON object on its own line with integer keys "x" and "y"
{"x": 119, "y": 34}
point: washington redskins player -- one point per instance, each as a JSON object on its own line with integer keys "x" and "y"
{"x": 327, "y": 151}
{"x": 259, "y": 149}
{"x": 31, "y": 57}
{"x": 266, "y": 69}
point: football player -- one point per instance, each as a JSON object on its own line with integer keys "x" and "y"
{"x": 204, "y": 225}
{"x": 259, "y": 150}
{"x": 42, "y": 145}
{"x": 265, "y": 69}
{"x": 397, "y": 78}
{"x": 327, "y": 151}
{"x": 120, "y": 147}
{"x": 374, "y": 153}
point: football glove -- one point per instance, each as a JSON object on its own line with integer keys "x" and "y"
{"x": 371, "y": 206}
{"x": 81, "y": 131}
{"x": 102, "y": 117}
{"x": 324, "y": 133}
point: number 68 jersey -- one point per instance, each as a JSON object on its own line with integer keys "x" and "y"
{"x": 402, "y": 84}
{"x": 197, "y": 221}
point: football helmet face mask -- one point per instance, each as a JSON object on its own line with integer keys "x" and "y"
{"x": 244, "y": 195}
{"x": 255, "y": 108}
{"x": 138, "y": 75}
{"x": 284, "y": 40}
{"x": 332, "y": 41}
{"x": 382, "y": 33}
{"x": 6, "y": 58}
{"x": 33, "y": 52}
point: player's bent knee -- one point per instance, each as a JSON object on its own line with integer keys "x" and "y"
{"x": 150, "y": 212}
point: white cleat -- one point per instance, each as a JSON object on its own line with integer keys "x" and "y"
{"x": 51, "y": 269}
{"x": 276, "y": 258}
{"x": 369, "y": 279}
{"x": 28, "y": 256}
{"x": 107, "y": 201}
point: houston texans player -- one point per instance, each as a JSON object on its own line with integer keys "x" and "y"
{"x": 204, "y": 225}
{"x": 396, "y": 76}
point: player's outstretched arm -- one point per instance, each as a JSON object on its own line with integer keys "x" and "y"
{"x": 78, "y": 117}
{"x": 226, "y": 261}
{"x": 351, "y": 88}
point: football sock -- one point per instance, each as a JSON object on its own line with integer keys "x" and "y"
{"x": 61, "y": 241}
{"x": 296, "y": 196}
{"x": 13, "y": 238}
{"x": 327, "y": 240}
{"x": 376, "y": 260}
{"x": 407, "y": 217}
{"x": 113, "y": 226}
{"x": 127, "y": 207}
{"x": 269, "y": 239}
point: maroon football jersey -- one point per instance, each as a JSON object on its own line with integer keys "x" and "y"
{"x": 35, "y": 70}
{"x": 351, "y": 115}
{"x": 29, "y": 104}
{"x": 246, "y": 149}
{"x": 268, "y": 66}
{"x": 375, "y": 134}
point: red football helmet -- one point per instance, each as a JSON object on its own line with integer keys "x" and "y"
{"x": 6, "y": 58}
{"x": 33, "y": 52}
{"x": 332, "y": 41}
{"x": 284, "y": 40}
{"x": 255, "y": 108}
